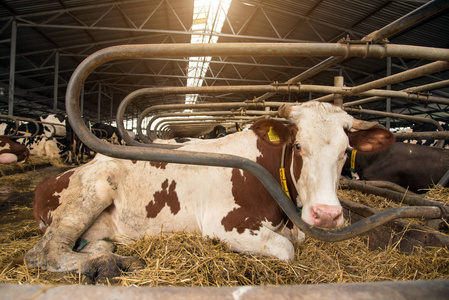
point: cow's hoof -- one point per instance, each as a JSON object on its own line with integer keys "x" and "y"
{"x": 107, "y": 268}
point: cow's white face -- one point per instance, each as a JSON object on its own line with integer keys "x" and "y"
{"x": 324, "y": 131}
{"x": 318, "y": 157}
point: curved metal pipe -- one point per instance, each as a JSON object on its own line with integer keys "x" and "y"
{"x": 241, "y": 105}
{"x": 103, "y": 133}
{"x": 247, "y": 89}
{"x": 16, "y": 124}
{"x": 35, "y": 122}
{"x": 206, "y": 120}
{"x": 185, "y": 90}
{"x": 169, "y": 127}
{"x": 230, "y": 161}
{"x": 232, "y": 116}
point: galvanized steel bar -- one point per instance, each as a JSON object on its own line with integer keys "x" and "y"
{"x": 430, "y": 135}
{"x": 183, "y": 90}
{"x": 230, "y": 161}
{"x": 235, "y": 89}
{"x": 16, "y": 124}
{"x": 12, "y": 67}
{"x": 396, "y": 78}
{"x": 55, "y": 83}
{"x": 36, "y": 123}
{"x": 338, "y": 98}
{"x": 416, "y": 89}
{"x": 410, "y": 19}
{"x": 200, "y": 121}
{"x": 399, "y": 116}
{"x": 402, "y": 23}
{"x": 398, "y": 197}
{"x": 393, "y": 115}
{"x": 234, "y": 115}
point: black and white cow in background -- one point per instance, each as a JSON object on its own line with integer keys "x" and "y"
{"x": 424, "y": 127}
{"x": 112, "y": 134}
{"x": 44, "y": 139}
{"x": 218, "y": 132}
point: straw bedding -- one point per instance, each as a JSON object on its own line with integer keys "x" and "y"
{"x": 185, "y": 259}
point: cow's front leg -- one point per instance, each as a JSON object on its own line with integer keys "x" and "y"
{"x": 77, "y": 214}
{"x": 264, "y": 241}
{"x": 295, "y": 235}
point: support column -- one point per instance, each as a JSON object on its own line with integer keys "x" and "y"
{"x": 82, "y": 101}
{"x": 99, "y": 103}
{"x": 12, "y": 68}
{"x": 55, "y": 83}
{"x": 388, "y": 103}
{"x": 338, "y": 98}
{"x": 112, "y": 104}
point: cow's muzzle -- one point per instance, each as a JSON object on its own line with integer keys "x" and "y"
{"x": 326, "y": 216}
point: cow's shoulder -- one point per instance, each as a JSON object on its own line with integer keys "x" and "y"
{"x": 48, "y": 197}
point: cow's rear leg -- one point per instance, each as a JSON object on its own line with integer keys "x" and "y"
{"x": 264, "y": 241}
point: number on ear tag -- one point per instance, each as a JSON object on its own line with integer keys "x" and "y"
{"x": 273, "y": 136}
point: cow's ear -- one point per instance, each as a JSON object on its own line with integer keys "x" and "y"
{"x": 371, "y": 140}
{"x": 272, "y": 131}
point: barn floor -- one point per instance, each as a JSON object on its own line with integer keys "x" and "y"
{"x": 191, "y": 260}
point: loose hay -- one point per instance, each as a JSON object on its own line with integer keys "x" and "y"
{"x": 185, "y": 259}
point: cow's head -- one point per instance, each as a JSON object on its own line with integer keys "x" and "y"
{"x": 59, "y": 127}
{"x": 319, "y": 135}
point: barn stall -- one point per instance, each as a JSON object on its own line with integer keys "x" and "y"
{"x": 208, "y": 262}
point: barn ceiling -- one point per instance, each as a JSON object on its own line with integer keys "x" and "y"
{"x": 48, "y": 37}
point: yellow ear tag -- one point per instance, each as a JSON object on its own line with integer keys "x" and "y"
{"x": 273, "y": 136}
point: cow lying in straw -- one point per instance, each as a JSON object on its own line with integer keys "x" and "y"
{"x": 112, "y": 200}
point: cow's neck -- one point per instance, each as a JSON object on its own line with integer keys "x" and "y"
{"x": 273, "y": 159}
{"x": 288, "y": 160}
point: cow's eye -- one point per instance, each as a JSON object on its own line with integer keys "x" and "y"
{"x": 297, "y": 146}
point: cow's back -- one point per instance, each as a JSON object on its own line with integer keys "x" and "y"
{"x": 409, "y": 165}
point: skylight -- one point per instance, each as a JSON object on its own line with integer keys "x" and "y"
{"x": 208, "y": 17}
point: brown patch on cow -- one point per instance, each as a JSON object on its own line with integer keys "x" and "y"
{"x": 45, "y": 200}
{"x": 9, "y": 146}
{"x": 255, "y": 203}
{"x": 159, "y": 165}
{"x": 134, "y": 161}
{"x": 166, "y": 196}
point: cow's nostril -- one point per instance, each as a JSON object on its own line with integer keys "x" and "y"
{"x": 316, "y": 213}
{"x": 326, "y": 216}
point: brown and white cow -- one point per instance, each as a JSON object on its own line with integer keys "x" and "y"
{"x": 11, "y": 152}
{"x": 116, "y": 200}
